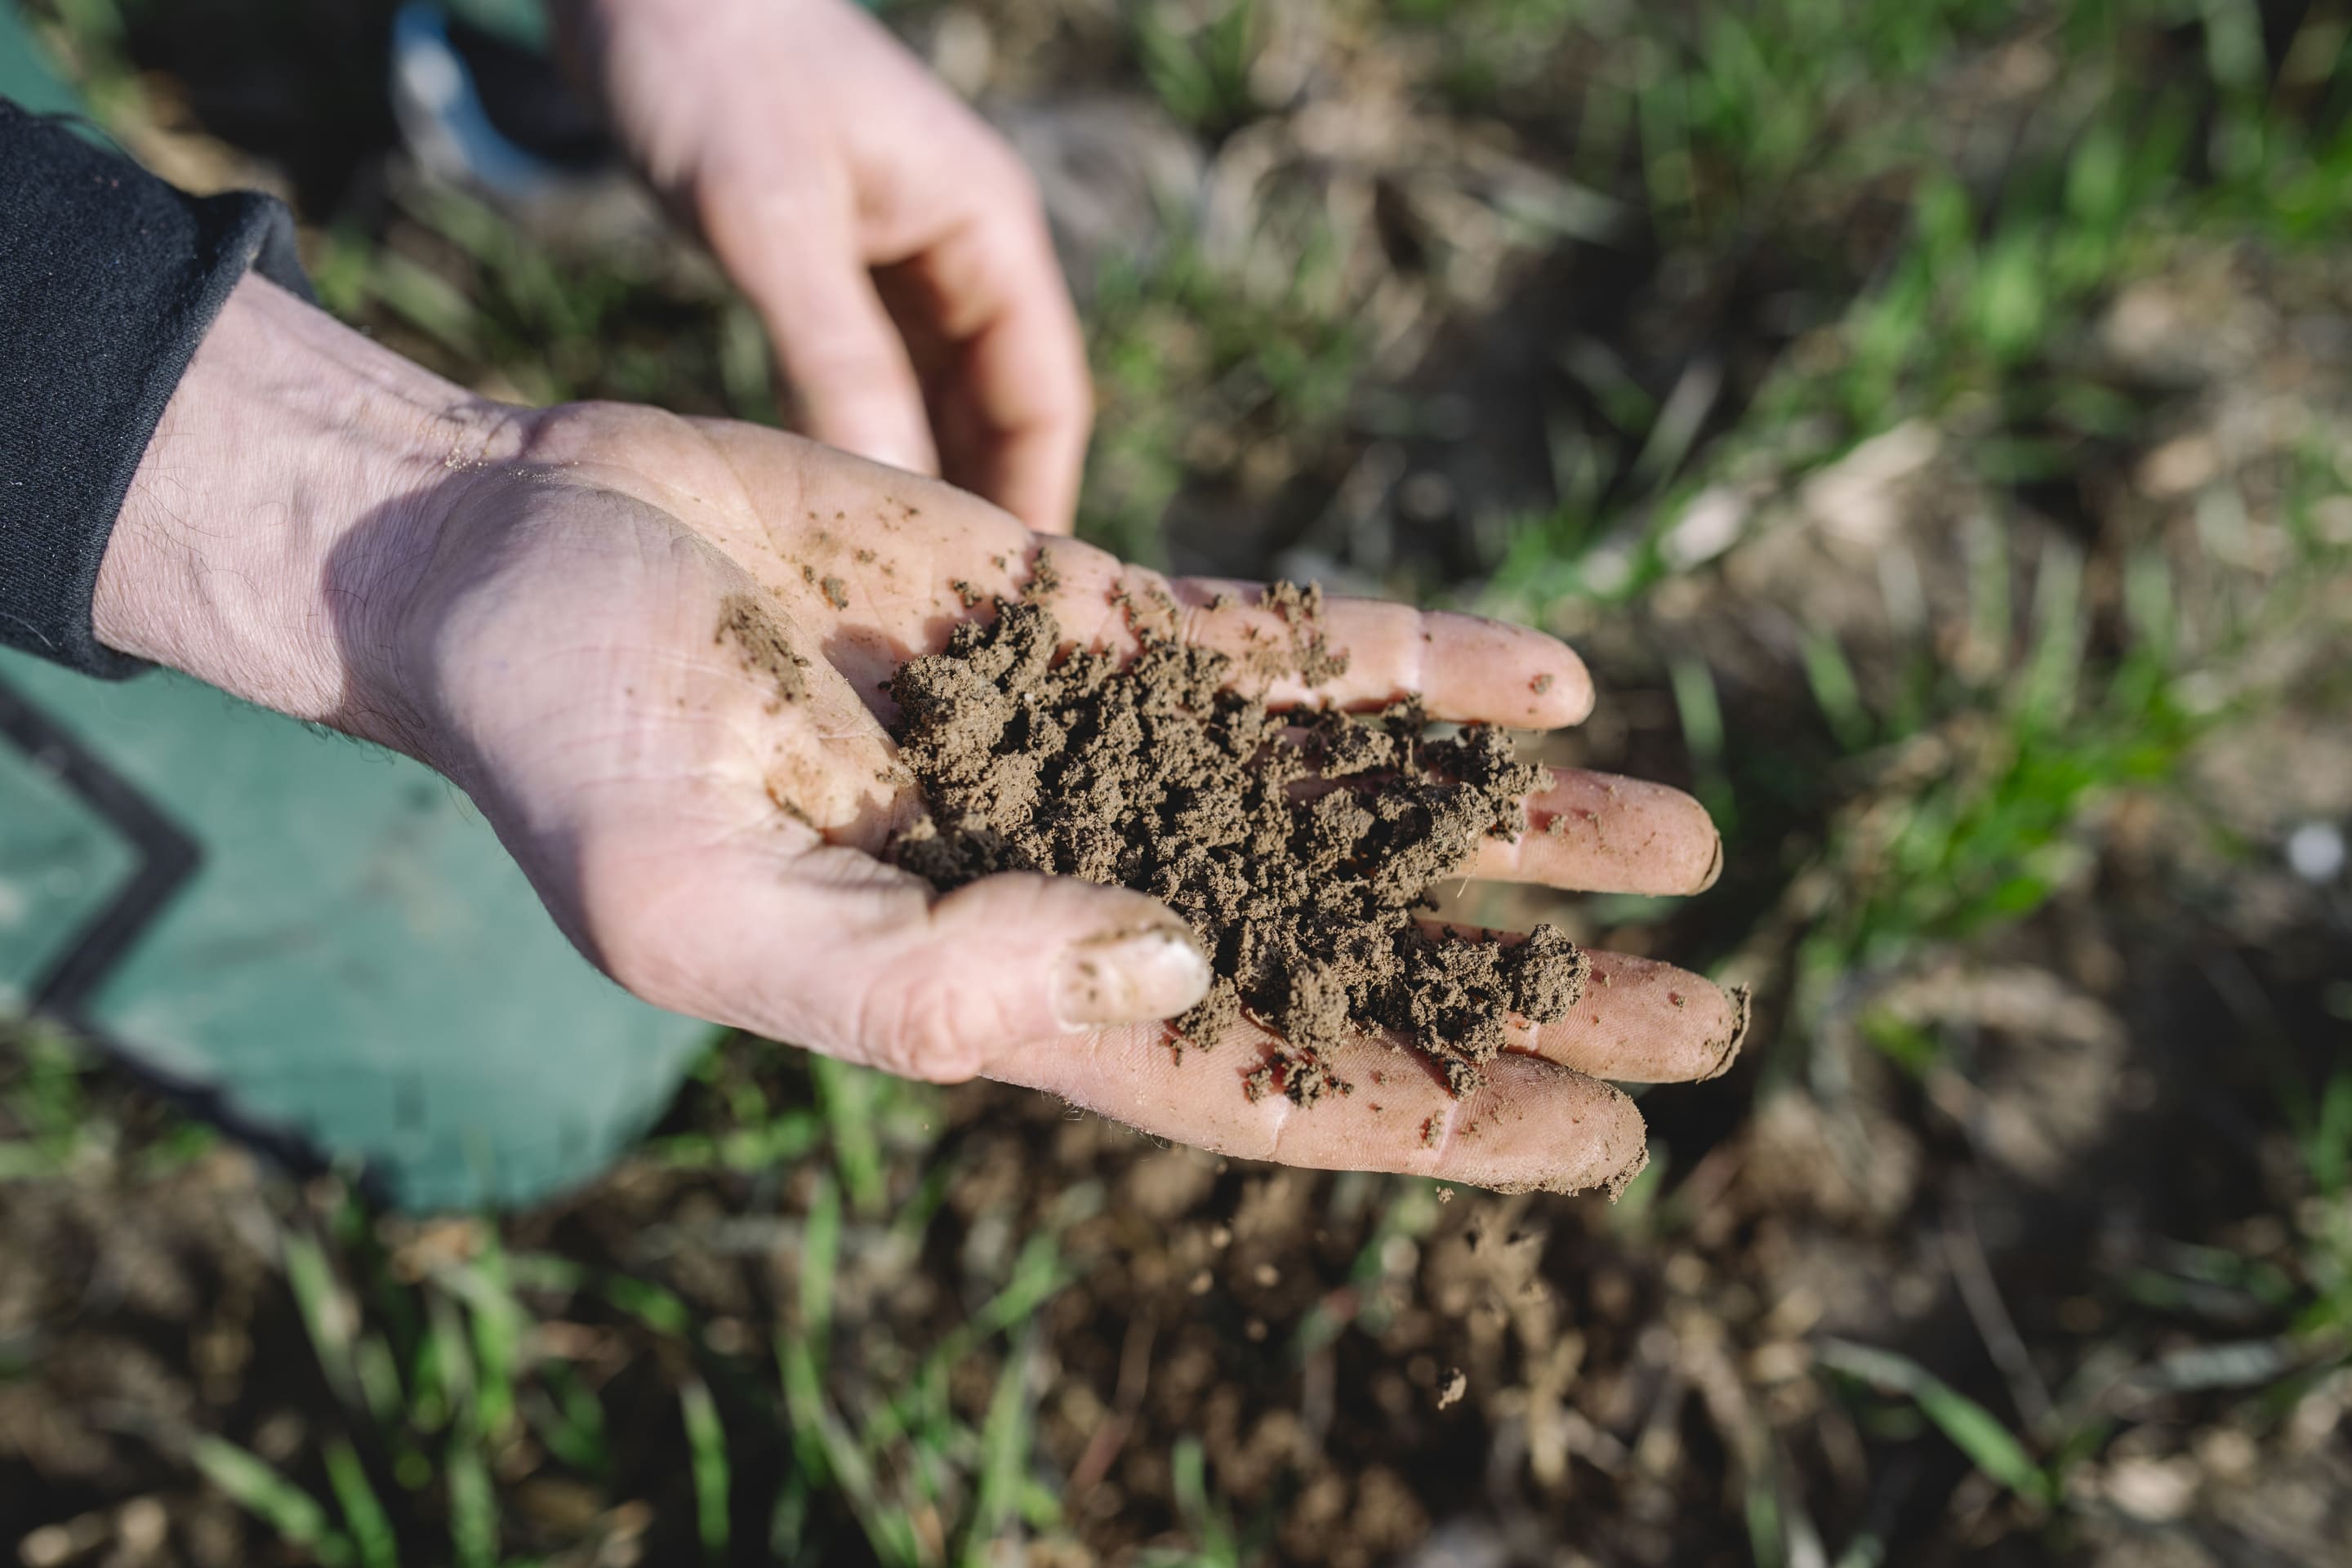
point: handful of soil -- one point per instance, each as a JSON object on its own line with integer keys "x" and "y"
{"x": 1298, "y": 845}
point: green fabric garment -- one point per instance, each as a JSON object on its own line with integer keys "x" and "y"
{"x": 25, "y": 74}
{"x": 521, "y": 22}
{"x": 352, "y": 969}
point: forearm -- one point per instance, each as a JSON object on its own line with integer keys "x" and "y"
{"x": 284, "y": 510}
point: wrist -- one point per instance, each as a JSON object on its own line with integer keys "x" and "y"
{"x": 285, "y": 508}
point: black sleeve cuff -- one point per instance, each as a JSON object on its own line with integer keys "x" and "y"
{"x": 111, "y": 278}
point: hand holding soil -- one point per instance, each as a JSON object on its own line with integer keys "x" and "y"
{"x": 665, "y": 657}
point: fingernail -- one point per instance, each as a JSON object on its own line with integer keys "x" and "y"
{"x": 1130, "y": 978}
{"x": 1742, "y": 1010}
{"x": 1714, "y": 866}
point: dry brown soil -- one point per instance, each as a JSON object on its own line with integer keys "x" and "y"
{"x": 1301, "y": 847}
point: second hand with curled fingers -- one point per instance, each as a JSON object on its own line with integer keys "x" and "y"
{"x": 893, "y": 244}
{"x": 652, "y": 651}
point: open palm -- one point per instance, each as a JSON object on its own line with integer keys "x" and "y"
{"x": 655, "y": 651}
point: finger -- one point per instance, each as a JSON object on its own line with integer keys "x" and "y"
{"x": 1638, "y": 1021}
{"x": 1016, "y": 400}
{"x": 1531, "y": 1124}
{"x": 1601, "y": 833}
{"x": 1465, "y": 668}
{"x": 914, "y": 559}
{"x": 946, "y": 553}
{"x": 1644, "y": 1022}
{"x": 851, "y": 381}
{"x": 829, "y": 947}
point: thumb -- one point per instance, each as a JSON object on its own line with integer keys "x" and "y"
{"x": 833, "y": 950}
{"x": 844, "y": 365}
{"x": 1017, "y": 958}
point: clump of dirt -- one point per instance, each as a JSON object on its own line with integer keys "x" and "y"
{"x": 1300, "y": 846}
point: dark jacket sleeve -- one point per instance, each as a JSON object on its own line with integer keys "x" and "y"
{"x": 108, "y": 279}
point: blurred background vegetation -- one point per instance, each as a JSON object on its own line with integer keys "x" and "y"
{"x": 1933, "y": 420}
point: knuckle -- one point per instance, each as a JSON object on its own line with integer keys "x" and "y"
{"x": 1009, "y": 179}
{"x": 914, "y": 1027}
{"x": 1020, "y": 221}
{"x": 850, "y": 365}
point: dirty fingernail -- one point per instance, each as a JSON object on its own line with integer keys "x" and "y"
{"x": 1130, "y": 978}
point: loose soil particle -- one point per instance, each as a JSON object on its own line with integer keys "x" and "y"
{"x": 1300, "y": 846}
{"x": 1456, "y": 1385}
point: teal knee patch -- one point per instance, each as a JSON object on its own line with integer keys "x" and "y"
{"x": 318, "y": 944}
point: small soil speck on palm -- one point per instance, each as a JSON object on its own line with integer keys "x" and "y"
{"x": 1300, "y": 846}
{"x": 757, "y": 632}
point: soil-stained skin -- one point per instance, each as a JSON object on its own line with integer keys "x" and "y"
{"x": 1300, "y": 846}
{"x": 755, "y": 631}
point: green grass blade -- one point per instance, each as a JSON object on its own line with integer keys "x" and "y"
{"x": 379, "y": 1377}
{"x": 650, "y": 1304}
{"x": 1768, "y": 1545}
{"x": 1038, "y": 1273}
{"x": 445, "y": 1372}
{"x": 1702, "y": 714}
{"x": 2055, "y": 665}
{"x": 1830, "y": 676}
{"x": 822, "y": 1442}
{"x": 569, "y": 1420}
{"x": 473, "y": 1506}
{"x": 485, "y": 1340}
{"x": 820, "y": 1246}
{"x": 496, "y": 1319}
{"x": 1004, "y": 1456}
{"x": 1970, "y": 1427}
{"x": 1213, "y": 1534}
{"x": 1040, "y": 1505}
{"x": 827, "y": 1447}
{"x": 2327, "y": 1147}
{"x": 371, "y": 1527}
{"x": 250, "y": 1482}
{"x": 326, "y": 1315}
{"x": 846, "y": 1096}
{"x": 429, "y": 303}
{"x": 706, "y": 1442}
{"x": 1865, "y": 1550}
{"x": 788, "y": 1525}
{"x": 1990, "y": 604}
